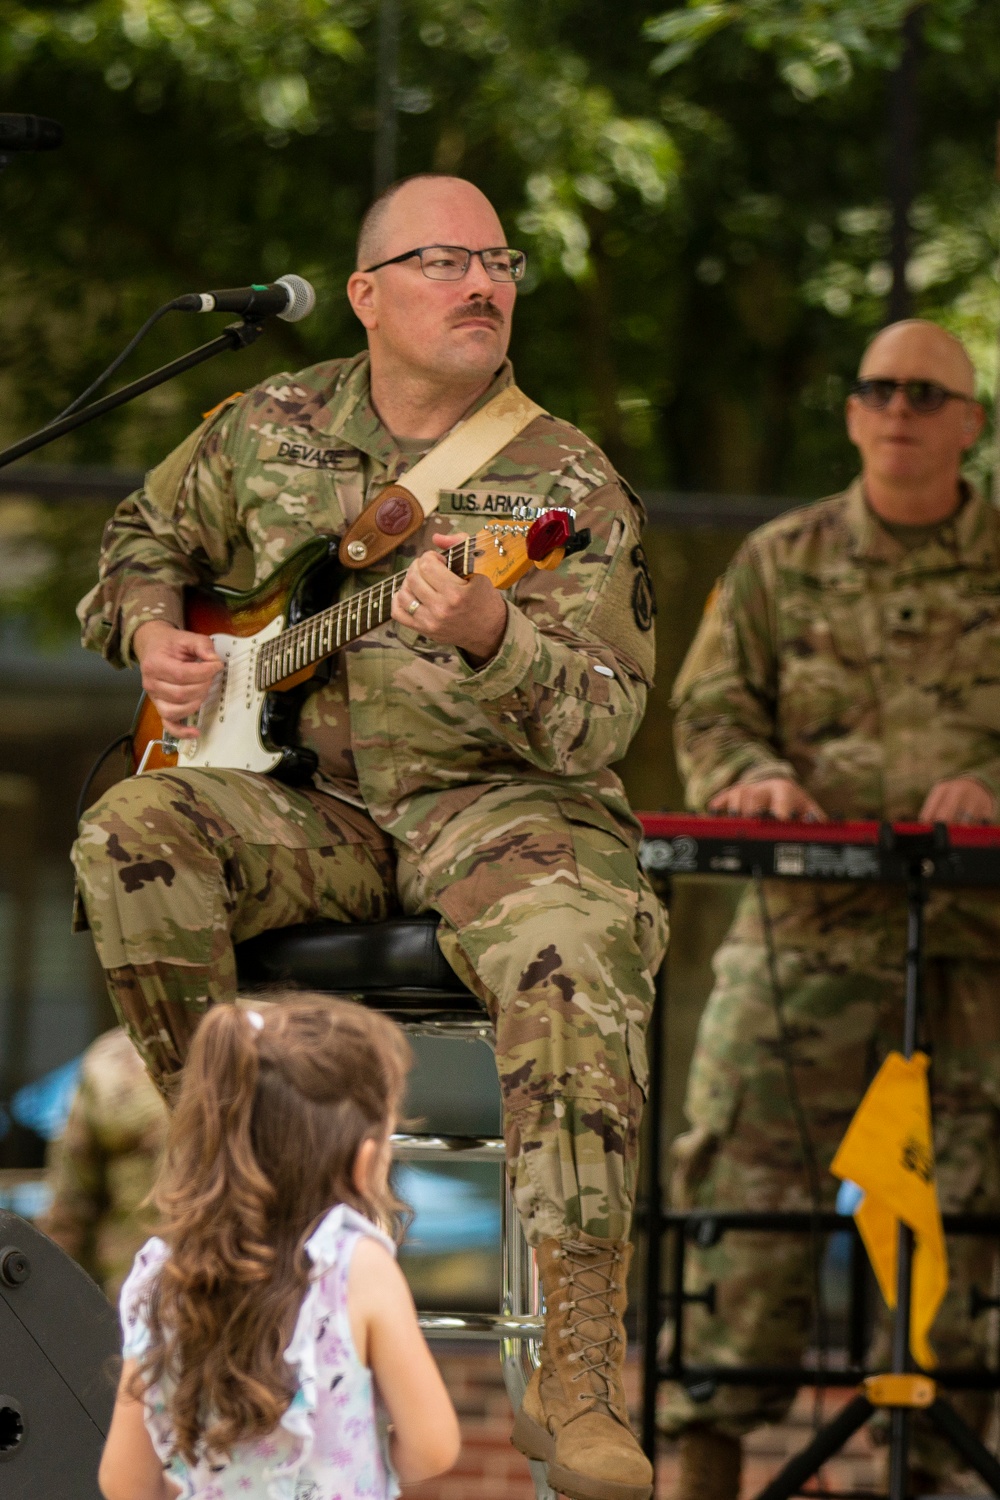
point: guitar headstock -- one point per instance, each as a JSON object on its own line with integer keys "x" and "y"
{"x": 505, "y": 550}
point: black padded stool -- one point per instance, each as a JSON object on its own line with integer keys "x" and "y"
{"x": 397, "y": 967}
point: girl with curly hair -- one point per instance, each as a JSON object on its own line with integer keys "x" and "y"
{"x": 268, "y": 1325}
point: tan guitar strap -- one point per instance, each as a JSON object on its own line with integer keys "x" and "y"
{"x": 401, "y": 509}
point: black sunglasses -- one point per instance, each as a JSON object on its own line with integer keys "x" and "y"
{"x": 922, "y": 396}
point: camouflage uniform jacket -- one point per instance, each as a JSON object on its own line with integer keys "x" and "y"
{"x": 103, "y": 1165}
{"x": 868, "y": 672}
{"x": 405, "y": 727}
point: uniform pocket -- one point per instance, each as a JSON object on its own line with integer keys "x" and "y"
{"x": 608, "y": 868}
{"x": 606, "y": 859}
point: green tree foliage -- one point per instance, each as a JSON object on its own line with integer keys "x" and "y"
{"x": 214, "y": 143}
{"x": 781, "y": 111}
{"x": 702, "y": 194}
{"x": 819, "y": 44}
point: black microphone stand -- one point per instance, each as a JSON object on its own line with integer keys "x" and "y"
{"x": 234, "y": 336}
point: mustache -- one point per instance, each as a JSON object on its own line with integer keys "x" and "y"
{"x": 478, "y": 307}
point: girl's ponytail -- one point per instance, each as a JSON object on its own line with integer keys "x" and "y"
{"x": 269, "y": 1119}
{"x": 211, "y": 1177}
{"x": 217, "y": 1203}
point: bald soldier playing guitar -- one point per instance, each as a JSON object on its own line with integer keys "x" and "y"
{"x": 455, "y": 760}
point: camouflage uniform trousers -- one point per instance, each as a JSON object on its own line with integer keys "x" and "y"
{"x": 744, "y": 1152}
{"x": 546, "y": 917}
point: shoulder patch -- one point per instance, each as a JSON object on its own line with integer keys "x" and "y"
{"x": 623, "y": 615}
{"x": 643, "y": 593}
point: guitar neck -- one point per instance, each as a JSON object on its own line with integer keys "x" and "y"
{"x": 325, "y": 633}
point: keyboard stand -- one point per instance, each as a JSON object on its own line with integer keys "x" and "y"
{"x": 906, "y": 1388}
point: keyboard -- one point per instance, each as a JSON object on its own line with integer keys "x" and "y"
{"x": 883, "y": 853}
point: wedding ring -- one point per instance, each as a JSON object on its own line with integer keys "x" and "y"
{"x": 411, "y": 609}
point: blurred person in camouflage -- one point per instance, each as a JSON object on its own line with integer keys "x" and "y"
{"x": 463, "y": 765}
{"x": 848, "y": 666}
{"x": 101, "y": 1167}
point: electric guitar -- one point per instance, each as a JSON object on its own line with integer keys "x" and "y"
{"x": 280, "y": 636}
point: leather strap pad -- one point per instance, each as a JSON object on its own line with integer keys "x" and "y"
{"x": 385, "y": 523}
{"x": 398, "y": 511}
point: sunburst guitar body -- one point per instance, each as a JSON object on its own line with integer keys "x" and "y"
{"x": 274, "y": 640}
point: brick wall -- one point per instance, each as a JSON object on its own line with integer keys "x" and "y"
{"x": 490, "y": 1469}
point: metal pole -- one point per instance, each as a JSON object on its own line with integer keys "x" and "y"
{"x": 236, "y": 336}
{"x": 387, "y": 54}
{"x": 902, "y": 163}
{"x": 900, "y": 1419}
{"x": 826, "y": 1442}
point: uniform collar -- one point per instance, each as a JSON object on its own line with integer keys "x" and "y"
{"x": 971, "y": 538}
{"x": 350, "y": 417}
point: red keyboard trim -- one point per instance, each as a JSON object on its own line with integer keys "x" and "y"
{"x": 775, "y": 830}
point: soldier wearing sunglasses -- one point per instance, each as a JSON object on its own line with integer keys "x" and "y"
{"x": 848, "y": 666}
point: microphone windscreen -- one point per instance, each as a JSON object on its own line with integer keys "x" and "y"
{"x": 29, "y": 133}
{"x": 301, "y": 297}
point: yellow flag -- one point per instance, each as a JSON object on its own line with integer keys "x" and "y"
{"x": 889, "y": 1152}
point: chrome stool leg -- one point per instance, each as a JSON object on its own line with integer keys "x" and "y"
{"x": 519, "y": 1324}
{"x": 521, "y": 1297}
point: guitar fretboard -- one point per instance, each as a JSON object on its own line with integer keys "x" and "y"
{"x": 312, "y": 640}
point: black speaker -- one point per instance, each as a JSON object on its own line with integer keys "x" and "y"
{"x": 59, "y": 1340}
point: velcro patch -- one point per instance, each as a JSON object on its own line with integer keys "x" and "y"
{"x": 305, "y": 455}
{"x": 485, "y": 502}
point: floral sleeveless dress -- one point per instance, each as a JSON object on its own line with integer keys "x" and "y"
{"x": 329, "y": 1445}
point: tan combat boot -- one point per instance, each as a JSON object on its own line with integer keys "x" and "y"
{"x": 543, "y": 1408}
{"x": 710, "y": 1465}
{"x": 574, "y": 1414}
{"x": 540, "y": 1413}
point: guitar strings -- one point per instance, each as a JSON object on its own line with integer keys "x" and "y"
{"x": 293, "y": 635}
{"x": 309, "y": 633}
{"x": 339, "y": 616}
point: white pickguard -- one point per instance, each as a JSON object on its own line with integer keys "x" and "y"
{"x": 229, "y": 719}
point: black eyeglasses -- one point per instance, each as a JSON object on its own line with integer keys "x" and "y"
{"x": 922, "y": 396}
{"x": 450, "y": 262}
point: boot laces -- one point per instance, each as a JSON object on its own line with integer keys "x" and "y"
{"x": 597, "y": 1349}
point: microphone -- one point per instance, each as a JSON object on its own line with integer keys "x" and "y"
{"x": 290, "y": 297}
{"x": 29, "y": 133}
